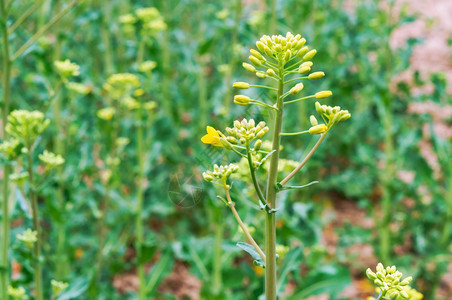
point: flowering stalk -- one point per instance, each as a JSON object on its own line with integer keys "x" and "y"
{"x": 34, "y": 208}
{"x": 282, "y": 56}
{"x": 6, "y": 86}
{"x": 139, "y": 208}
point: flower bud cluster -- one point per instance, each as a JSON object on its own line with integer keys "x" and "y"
{"x": 10, "y": 148}
{"x": 28, "y": 237}
{"x": 246, "y": 131}
{"x": 51, "y": 160}
{"x": 26, "y": 126}
{"x": 58, "y": 287}
{"x": 333, "y": 114}
{"x": 17, "y": 293}
{"x": 389, "y": 281}
{"x": 220, "y": 173}
{"x": 67, "y": 68}
{"x": 280, "y": 47}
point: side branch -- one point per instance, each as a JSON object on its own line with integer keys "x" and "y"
{"x": 242, "y": 225}
{"x": 298, "y": 168}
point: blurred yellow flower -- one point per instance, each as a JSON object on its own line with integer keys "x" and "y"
{"x": 212, "y": 137}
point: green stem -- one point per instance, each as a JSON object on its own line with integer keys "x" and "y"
{"x": 105, "y": 37}
{"x": 445, "y": 239}
{"x": 264, "y": 87}
{"x": 6, "y": 85}
{"x": 166, "y": 67}
{"x": 270, "y": 220}
{"x": 295, "y": 79}
{"x": 35, "y": 214}
{"x": 43, "y": 29}
{"x": 217, "y": 255}
{"x": 293, "y": 133}
{"x": 305, "y": 160}
{"x": 140, "y": 194}
{"x": 253, "y": 174}
{"x": 300, "y": 99}
{"x": 242, "y": 225}
{"x": 24, "y": 16}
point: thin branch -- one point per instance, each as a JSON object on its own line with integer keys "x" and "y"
{"x": 43, "y": 29}
{"x": 298, "y": 168}
{"x": 300, "y": 99}
{"x": 242, "y": 225}
{"x": 295, "y": 79}
{"x": 264, "y": 87}
{"x": 293, "y": 133}
{"x": 24, "y": 16}
{"x": 253, "y": 174}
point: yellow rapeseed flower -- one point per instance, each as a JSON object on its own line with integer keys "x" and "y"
{"x": 212, "y": 137}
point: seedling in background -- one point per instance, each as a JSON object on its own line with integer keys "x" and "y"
{"x": 282, "y": 59}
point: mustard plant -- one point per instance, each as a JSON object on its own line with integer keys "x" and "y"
{"x": 8, "y": 57}
{"x": 24, "y": 128}
{"x": 286, "y": 61}
{"x": 390, "y": 284}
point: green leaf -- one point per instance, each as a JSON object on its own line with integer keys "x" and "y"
{"x": 280, "y": 187}
{"x": 249, "y": 249}
{"x": 75, "y": 290}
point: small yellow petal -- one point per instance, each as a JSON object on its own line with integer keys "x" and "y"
{"x": 212, "y": 131}
{"x": 207, "y": 139}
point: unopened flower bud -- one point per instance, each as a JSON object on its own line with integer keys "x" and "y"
{"x": 319, "y": 108}
{"x": 241, "y": 85}
{"x": 232, "y": 139}
{"x": 309, "y": 55}
{"x": 316, "y": 75}
{"x": 302, "y": 51}
{"x": 304, "y": 70}
{"x": 287, "y": 55}
{"x": 270, "y": 72}
{"x": 268, "y": 51}
{"x": 371, "y": 275}
{"x": 261, "y": 74}
{"x": 296, "y": 89}
{"x": 257, "y": 54}
{"x": 313, "y": 121}
{"x": 323, "y": 94}
{"x": 225, "y": 143}
{"x": 255, "y": 61}
{"x": 300, "y": 44}
{"x": 404, "y": 294}
{"x": 318, "y": 129}
{"x": 249, "y": 67}
{"x": 344, "y": 117}
{"x": 207, "y": 177}
{"x": 307, "y": 64}
{"x": 241, "y": 100}
{"x": 242, "y": 140}
{"x": 260, "y": 46}
{"x": 257, "y": 145}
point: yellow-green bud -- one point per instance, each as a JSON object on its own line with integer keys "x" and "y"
{"x": 268, "y": 51}
{"x": 404, "y": 294}
{"x": 344, "y": 117}
{"x": 313, "y": 121}
{"x": 318, "y": 129}
{"x": 287, "y": 55}
{"x": 261, "y": 74}
{"x": 304, "y": 70}
{"x": 323, "y": 94}
{"x": 302, "y": 51}
{"x": 300, "y": 43}
{"x": 225, "y": 143}
{"x": 257, "y": 145}
{"x": 232, "y": 140}
{"x": 316, "y": 75}
{"x": 371, "y": 275}
{"x": 318, "y": 107}
{"x": 241, "y": 85}
{"x": 309, "y": 55}
{"x": 307, "y": 64}
{"x": 207, "y": 177}
{"x": 260, "y": 46}
{"x": 255, "y": 61}
{"x": 296, "y": 89}
{"x": 249, "y": 67}
{"x": 270, "y": 72}
{"x": 257, "y": 54}
{"x": 241, "y": 100}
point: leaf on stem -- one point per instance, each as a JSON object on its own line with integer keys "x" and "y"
{"x": 251, "y": 251}
{"x": 280, "y": 187}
